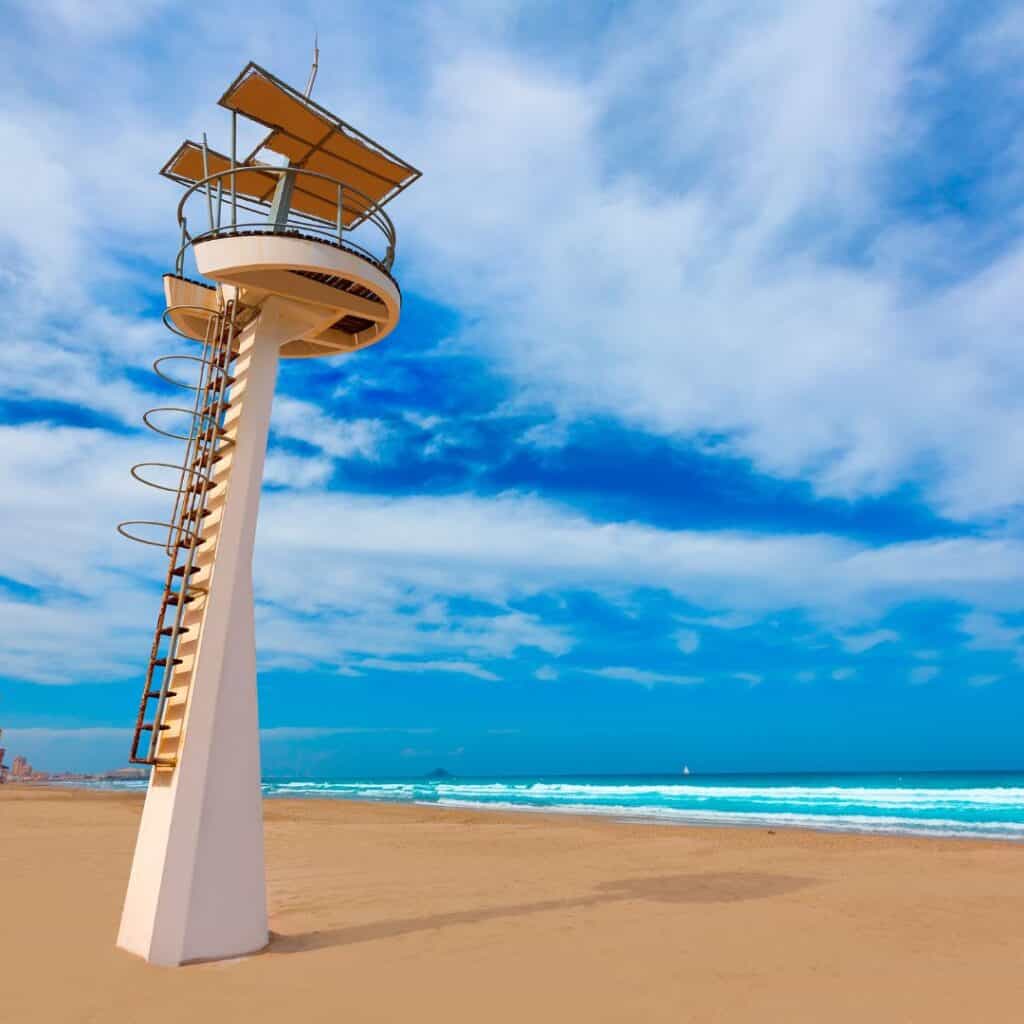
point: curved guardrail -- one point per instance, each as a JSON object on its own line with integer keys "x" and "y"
{"x": 217, "y": 190}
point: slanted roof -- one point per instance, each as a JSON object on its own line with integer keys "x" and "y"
{"x": 186, "y": 167}
{"x": 254, "y": 183}
{"x": 308, "y": 136}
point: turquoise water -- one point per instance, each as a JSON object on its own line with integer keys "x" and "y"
{"x": 980, "y": 805}
{"x": 984, "y": 805}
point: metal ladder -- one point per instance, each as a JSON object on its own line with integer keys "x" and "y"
{"x": 192, "y": 534}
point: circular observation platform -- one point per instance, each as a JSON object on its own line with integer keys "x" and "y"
{"x": 330, "y": 269}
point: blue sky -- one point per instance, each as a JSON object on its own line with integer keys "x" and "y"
{"x": 700, "y": 440}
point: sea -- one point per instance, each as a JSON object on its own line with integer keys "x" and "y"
{"x": 987, "y": 805}
{"x": 980, "y": 805}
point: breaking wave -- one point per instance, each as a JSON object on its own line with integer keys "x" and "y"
{"x": 979, "y": 806}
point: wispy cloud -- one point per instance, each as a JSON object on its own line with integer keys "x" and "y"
{"x": 858, "y": 643}
{"x": 291, "y": 733}
{"x": 643, "y": 677}
{"x": 464, "y": 668}
{"x": 983, "y": 679}
{"x": 921, "y": 674}
{"x": 753, "y": 678}
{"x": 687, "y": 640}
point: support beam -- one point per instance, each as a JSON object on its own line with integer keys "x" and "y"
{"x": 281, "y": 204}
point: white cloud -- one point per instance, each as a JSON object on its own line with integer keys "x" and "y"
{"x": 644, "y": 677}
{"x": 923, "y": 674}
{"x": 291, "y": 733}
{"x": 295, "y": 472}
{"x": 339, "y": 438}
{"x": 858, "y": 643}
{"x": 687, "y": 640}
{"x": 988, "y": 632}
{"x": 872, "y": 347}
{"x": 17, "y": 735}
{"x": 381, "y": 586}
{"x": 465, "y": 668}
{"x": 546, "y": 674}
{"x": 724, "y": 620}
{"x": 753, "y": 678}
{"x": 857, "y": 372}
{"x": 842, "y": 674}
{"x": 89, "y": 19}
{"x": 983, "y": 679}
{"x": 497, "y": 548}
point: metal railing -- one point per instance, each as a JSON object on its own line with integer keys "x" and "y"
{"x": 370, "y": 233}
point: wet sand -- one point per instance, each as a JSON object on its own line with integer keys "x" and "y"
{"x": 398, "y": 913}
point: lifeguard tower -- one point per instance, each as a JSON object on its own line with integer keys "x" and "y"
{"x": 293, "y": 255}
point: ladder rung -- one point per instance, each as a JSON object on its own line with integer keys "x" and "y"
{"x": 156, "y": 693}
{"x": 209, "y": 456}
{"x": 163, "y": 661}
{"x": 169, "y": 630}
{"x": 148, "y": 727}
{"x": 180, "y": 571}
{"x": 173, "y": 597}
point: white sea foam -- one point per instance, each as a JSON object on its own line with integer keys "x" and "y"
{"x": 1011, "y": 797}
{"x": 824, "y": 822}
{"x": 992, "y": 811}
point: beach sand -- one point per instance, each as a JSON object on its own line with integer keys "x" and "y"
{"x": 402, "y": 913}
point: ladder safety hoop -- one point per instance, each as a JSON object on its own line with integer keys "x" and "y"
{"x": 182, "y": 471}
{"x": 163, "y": 375}
{"x": 170, "y": 528}
{"x": 210, "y": 314}
{"x": 210, "y": 421}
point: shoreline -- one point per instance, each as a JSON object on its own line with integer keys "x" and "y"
{"x": 830, "y": 825}
{"x": 384, "y": 912}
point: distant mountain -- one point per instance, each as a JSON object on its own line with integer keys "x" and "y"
{"x": 439, "y": 773}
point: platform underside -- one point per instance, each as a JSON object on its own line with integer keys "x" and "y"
{"x": 349, "y": 301}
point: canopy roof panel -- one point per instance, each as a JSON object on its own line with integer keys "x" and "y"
{"x": 254, "y": 182}
{"x": 186, "y": 167}
{"x": 309, "y": 137}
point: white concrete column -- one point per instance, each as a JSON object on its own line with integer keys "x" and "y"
{"x": 197, "y": 887}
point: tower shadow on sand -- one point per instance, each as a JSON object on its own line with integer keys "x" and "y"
{"x": 715, "y": 887}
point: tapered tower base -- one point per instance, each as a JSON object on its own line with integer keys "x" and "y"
{"x": 197, "y": 888}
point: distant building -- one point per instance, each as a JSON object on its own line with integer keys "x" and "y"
{"x": 20, "y": 768}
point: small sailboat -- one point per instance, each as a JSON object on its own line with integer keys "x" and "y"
{"x": 686, "y": 769}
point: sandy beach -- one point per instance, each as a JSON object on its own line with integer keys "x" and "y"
{"x": 394, "y": 913}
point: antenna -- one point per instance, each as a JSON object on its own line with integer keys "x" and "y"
{"x": 315, "y": 68}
